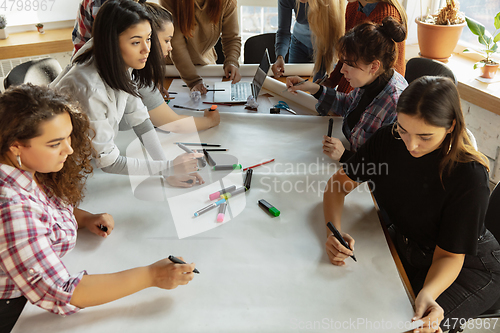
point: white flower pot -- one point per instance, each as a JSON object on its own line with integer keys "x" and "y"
{"x": 3, "y": 34}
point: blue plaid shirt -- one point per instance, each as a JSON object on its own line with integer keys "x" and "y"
{"x": 381, "y": 111}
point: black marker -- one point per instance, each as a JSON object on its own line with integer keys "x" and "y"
{"x": 209, "y": 158}
{"x": 178, "y": 261}
{"x": 339, "y": 237}
{"x": 103, "y": 227}
{"x": 189, "y": 181}
{"x": 269, "y": 208}
{"x": 330, "y": 127}
{"x": 248, "y": 179}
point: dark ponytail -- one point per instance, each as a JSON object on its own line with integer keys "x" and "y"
{"x": 370, "y": 41}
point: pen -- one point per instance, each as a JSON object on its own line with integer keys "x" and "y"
{"x": 256, "y": 165}
{"x": 216, "y": 89}
{"x": 227, "y": 104}
{"x": 187, "y": 150}
{"x": 296, "y": 84}
{"x": 339, "y": 237}
{"x": 269, "y": 208}
{"x": 330, "y": 127}
{"x": 248, "y": 179}
{"x": 103, "y": 227}
{"x": 172, "y": 92}
{"x": 209, "y": 158}
{"x": 209, "y": 207}
{"x": 199, "y": 144}
{"x": 178, "y": 261}
{"x": 216, "y": 149}
{"x": 216, "y": 195}
{"x": 222, "y": 211}
{"x": 227, "y": 167}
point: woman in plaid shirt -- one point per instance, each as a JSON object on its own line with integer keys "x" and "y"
{"x": 45, "y": 153}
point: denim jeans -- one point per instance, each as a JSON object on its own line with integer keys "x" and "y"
{"x": 10, "y": 310}
{"x": 301, "y": 54}
{"x": 476, "y": 288}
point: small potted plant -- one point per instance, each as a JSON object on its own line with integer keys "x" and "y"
{"x": 439, "y": 34}
{"x": 488, "y": 65}
{"x": 3, "y": 24}
{"x": 39, "y": 27}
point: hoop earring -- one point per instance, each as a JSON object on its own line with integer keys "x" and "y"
{"x": 18, "y": 158}
{"x": 395, "y": 132}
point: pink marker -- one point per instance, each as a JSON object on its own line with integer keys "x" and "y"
{"x": 222, "y": 211}
{"x": 217, "y": 194}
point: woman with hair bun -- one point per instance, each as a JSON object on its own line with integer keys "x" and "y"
{"x": 368, "y": 53}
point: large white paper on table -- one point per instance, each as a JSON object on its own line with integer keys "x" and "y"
{"x": 302, "y": 98}
{"x": 245, "y": 70}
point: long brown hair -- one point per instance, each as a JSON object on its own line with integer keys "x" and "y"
{"x": 436, "y": 101}
{"x": 184, "y": 14}
{"x": 23, "y": 109}
{"x": 327, "y": 23}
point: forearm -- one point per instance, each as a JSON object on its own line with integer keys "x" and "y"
{"x": 134, "y": 166}
{"x": 338, "y": 186}
{"x": 442, "y": 273}
{"x": 103, "y": 288}
{"x": 81, "y": 217}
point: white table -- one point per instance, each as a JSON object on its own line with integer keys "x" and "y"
{"x": 258, "y": 273}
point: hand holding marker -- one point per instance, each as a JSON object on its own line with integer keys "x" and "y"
{"x": 330, "y": 127}
{"x": 187, "y": 150}
{"x": 339, "y": 237}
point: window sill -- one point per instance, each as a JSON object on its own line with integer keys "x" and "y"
{"x": 31, "y": 43}
{"x": 484, "y": 95}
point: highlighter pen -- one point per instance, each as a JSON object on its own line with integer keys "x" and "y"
{"x": 227, "y": 167}
{"x": 233, "y": 193}
{"x": 269, "y": 208}
{"x": 339, "y": 237}
{"x": 330, "y": 127}
{"x": 187, "y": 150}
{"x": 178, "y": 261}
{"x": 209, "y": 207}
{"x": 209, "y": 158}
{"x": 222, "y": 211}
{"x": 216, "y": 195}
{"x": 248, "y": 179}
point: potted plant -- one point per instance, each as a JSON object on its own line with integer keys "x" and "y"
{"x": 3, "y": 24}
{"x": 439, "y": 34}
{"x": 488, "y": 65}
{"x": 39, "y": 27}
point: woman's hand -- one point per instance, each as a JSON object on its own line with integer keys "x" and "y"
{"x": 95, "y": 222}
{"x": 185, "y": 180}
{"x": 429, "y": 311}
{"x": 186, "y": 163}
{"x": 232, "y": 73}
{"x": 333, "y": 147}
{"x": 167, "y": 275}
{"x": 201, "y": 88}
{"x": 336, "y": 252}
{"x": 306, "y": 86}
{"x": 279, "y": 67}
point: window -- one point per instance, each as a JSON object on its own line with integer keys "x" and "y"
{"x": 483, "y": 11}
{"x": 23, "y": 12}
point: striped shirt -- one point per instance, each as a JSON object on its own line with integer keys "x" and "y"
{"x": 35, "y": 232}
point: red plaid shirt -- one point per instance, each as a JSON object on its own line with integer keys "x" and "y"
{"x": 36, "y": 231}
{"x": 82, "y": 31}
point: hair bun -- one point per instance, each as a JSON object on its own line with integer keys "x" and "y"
{"x": 142, "y": 1}
{"x": 392, "y": 28}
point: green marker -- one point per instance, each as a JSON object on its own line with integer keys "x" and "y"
{"x": 227, "y": 167}
{"x": 270, "y": 208}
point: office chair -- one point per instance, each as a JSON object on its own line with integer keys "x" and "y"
{"x": 255, "y": 47}
{"x": 220, "y": 53}
{"x": 39, "y": 72}
{"x": 492, "y": 222}
{"x": 417, "y": 67}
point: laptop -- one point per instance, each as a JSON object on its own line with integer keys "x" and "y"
{"x": 239, "y": 92}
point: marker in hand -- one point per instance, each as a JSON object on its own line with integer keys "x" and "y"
{"x": 178, "y": 261}
{"x": 330, "y": 127}
{"x": 339, "y": 237}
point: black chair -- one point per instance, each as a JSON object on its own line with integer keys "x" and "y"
{"x": 220, "y": 53}
{"x": 492, "y": 222}
{"x": 256, "y": 45}
{"x": 417, "y": 67}
{"x": 39, "y": 72}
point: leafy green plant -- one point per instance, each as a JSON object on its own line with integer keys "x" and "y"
{"x": 485, "y": 38}
{"x": 39, "y": 25}
{"x": 3, "y": 21}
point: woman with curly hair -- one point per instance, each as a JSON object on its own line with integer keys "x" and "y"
{"x": 45, "y": 154}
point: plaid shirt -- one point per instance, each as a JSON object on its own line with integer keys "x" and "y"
{"x": 36, "y": 231}
{"x": 84, "y": 21}
{"x": 381, "y": 111}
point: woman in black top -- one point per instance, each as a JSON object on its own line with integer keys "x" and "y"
{"x": 433, "y": 187}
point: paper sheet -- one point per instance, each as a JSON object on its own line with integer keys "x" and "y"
{"x": 302, "y": 98}
{"x": 245, "y": 70}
